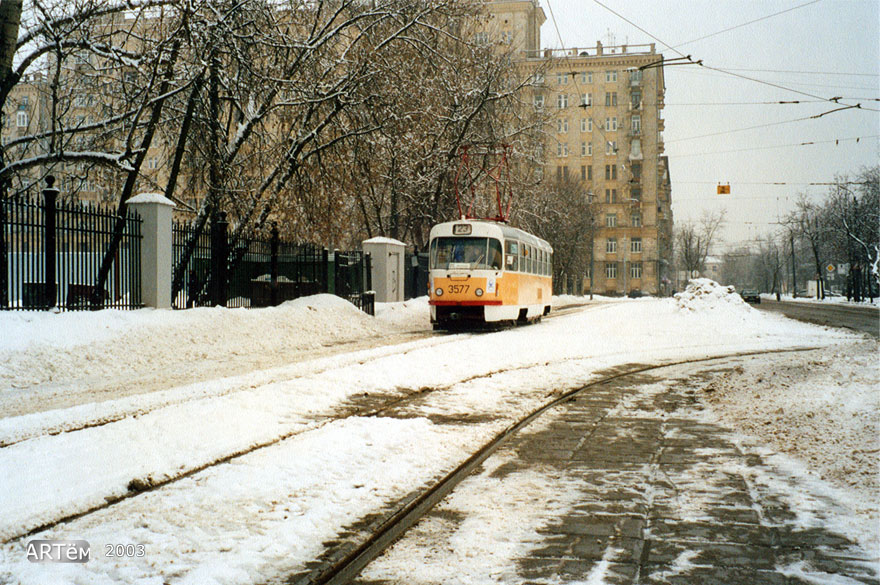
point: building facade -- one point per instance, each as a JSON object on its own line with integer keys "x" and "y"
{"x": 606, "y": 130}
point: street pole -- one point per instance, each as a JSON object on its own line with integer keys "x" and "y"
{"x": 592, "y": 243}
{"x": 793, "y": 267}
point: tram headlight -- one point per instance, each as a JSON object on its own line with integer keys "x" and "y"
{"x": 439, "y": 292}
{"x": 479, "y": 292}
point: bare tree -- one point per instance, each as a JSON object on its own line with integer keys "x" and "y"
{"x": 810, "y": 224}
{"x": 562, "y": 214}
{"x": 694, "y": 240}
{"x": 852, "y": 211}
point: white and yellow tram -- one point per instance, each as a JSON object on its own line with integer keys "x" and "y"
{"x": 487, "y": 272}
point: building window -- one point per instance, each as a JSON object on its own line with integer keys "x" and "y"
{"x": 562, "y": 125}
{"x": 539, "y": 79}
{"x": 506, "y": 37}
{"x": 611, "y": 147}
{"x": 636, "y": 193}
{"x": 610, "y": 98}
{"x": 586, "y": 99}
{"x": 635, "y": 76}
{"x": 539, "y": 101}
{"x": 561, "y": 173}
{"x": 611, "y": 124}
{"x": 481, "y": 38}
{"x": 561, "y": 78}
{"x": 611, "y": 270}
{"x": 583, "y": 173}
{"x": 610, "y": 76}
{"x": 561, "y": 149}
{"x": 586, "y": 149}
{"x": 611, "y": 220}
{"x": 21, "y": 119}
{"x": 636, "y": 125}
{"x": 610, "y": 172}
{"x": 635, "y": 270}
{"x": 589, "y": 172}
{"x": 610, "y": 195}
{"x": 586, "y": 124}
{"x": 636, "y": 100}
{"x": 586, "y": 77}
{"x": 637, "y": 220}
{"x": 153, "y": 162}
{"x": 635, "y": 246}
{"x": 562, "y": 101}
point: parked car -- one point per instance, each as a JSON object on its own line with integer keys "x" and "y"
{"x": 750, "y": 296}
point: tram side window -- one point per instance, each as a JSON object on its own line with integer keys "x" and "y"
{"x": 512, "y": 251}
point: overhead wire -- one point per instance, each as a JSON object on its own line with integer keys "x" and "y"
{"x": 797, "y": 144}
{"x": 731, "y": 73}
{"x": 749, "y": 22}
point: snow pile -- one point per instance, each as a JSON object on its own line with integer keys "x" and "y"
{"x": 413, "y": 314}
{"x": 706, "y": 294}
{"x": 39, "y": 348}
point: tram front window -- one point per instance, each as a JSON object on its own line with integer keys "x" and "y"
{"x": 482, "y": 253}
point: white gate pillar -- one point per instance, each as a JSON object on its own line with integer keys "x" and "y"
{"x": 156, "y": 255}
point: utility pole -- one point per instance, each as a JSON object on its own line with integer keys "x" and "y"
{"x": 592, "y": 242}
{"x": 793, "y": 267}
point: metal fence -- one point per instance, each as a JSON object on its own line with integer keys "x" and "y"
{"x": 260, "y": 272}
{"x": 51, "y": 253}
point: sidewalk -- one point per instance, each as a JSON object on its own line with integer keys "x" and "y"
{"x": 663, "y": 496}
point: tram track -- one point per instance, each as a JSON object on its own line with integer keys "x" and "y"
{"x": 395, "y": 524}
{"x": 99, "y": 421}
{"x": 149, "y": 483}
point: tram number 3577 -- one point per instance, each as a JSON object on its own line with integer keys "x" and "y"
{"x": 458, "y": 288}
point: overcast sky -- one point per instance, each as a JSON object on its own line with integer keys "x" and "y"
{"x": 823, "y": 48}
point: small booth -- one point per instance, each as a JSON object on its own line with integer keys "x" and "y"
{"x": 387, "y": 259}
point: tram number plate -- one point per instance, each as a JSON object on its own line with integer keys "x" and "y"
{"x": 456, "y": 289}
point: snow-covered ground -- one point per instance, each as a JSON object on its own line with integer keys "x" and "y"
{"x": 94, "y": 404}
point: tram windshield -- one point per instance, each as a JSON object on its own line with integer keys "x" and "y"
{"x": 482, "y": 253}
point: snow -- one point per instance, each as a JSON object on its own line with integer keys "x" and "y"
{"x": 151, "y": 198}
{"x": 384, "y": 240}
{"x": 164, "y": 393}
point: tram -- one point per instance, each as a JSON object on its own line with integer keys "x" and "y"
{"x": 486, "y": 272}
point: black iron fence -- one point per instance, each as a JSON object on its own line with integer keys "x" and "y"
{"x": 51, "y": 252}
{"x": 260, "y": 272}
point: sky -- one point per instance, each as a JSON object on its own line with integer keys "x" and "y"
{"x": 824, "y": 48}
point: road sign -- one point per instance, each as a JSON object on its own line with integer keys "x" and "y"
{"x": 830, "y": 268}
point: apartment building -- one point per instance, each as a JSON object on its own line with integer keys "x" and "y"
{"x": 606, "y": 130}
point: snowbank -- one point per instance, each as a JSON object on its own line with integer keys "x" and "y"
{"x": 703, "y": 294}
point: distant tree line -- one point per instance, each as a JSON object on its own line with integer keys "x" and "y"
{"x": 842, "y": 230}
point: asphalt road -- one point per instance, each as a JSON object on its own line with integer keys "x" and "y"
{"x": 859, "y": 318}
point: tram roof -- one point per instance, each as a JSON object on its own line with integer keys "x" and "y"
{"x": 505, "y": 230}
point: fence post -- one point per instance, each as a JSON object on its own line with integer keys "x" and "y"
{"x": 325, "y": 270}
{"x": 219, "y": 257}
{"x": 4, "y": 253}
{"x": 368, "y": 267}
{"x": 273, "y": 264}
{"x": 155, "y": 212}
{"x": 50, "y": 198}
